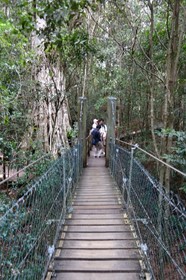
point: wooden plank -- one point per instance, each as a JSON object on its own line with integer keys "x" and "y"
{"x": 98, "y": 192}
{"x": 109, "y": 200}
{"x": 95, "y": 222}
{"x": 99, "y": 182}
{"x": 90, "y": 177}
{"x": 96, "y": 276}
{"x": 48, "y": 276}
{"x": 96, "y": 206}
{"x": 95, "y": 196}
{"x": 99, "y": 266}
{"x": 98, "y": 186}
{"x": 98, "y": 236}
{"x": 96, "y": 181}
{"x": 99, "y": 228}
{"x": 93, "y": 203}
{"x": 97, "y": 211}
{"x": 93, "y": 188}
{"x": 97, "y": 199}
{"x": 97, "y": 244}
{"x": 89, "y": 173}
{"x": 97, "y": 216}
{"x": 96, "y": 189}
{"x": 99, "y": 254}
{"x": 97, "y": 241}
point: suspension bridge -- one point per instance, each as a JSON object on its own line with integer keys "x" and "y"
{"x": 109, "y": 220}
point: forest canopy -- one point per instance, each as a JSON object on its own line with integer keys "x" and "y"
{"x": 53, "y": 52}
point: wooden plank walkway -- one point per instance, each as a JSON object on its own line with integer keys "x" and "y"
{"x": 97, "y": 241}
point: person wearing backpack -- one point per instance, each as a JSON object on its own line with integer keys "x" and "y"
{"x": 96, "y": 141}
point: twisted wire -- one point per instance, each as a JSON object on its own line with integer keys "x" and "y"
{"x": 160, "y": 224}
{"x": 29, "y": 229}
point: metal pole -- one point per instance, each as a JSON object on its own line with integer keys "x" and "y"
{"x": 184, "y": 108}
{"x": 130, "y": 178}
{"x": 64, "y": 184}
{"x": 82, "y": 127}
{"x": 160, "y": 222}
{"x": 76, "y": 165}
{"x": 111, "y": 123}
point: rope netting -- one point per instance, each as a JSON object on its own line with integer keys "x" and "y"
{"x": 30, "y": 228}
{"x": 159, "y": 219}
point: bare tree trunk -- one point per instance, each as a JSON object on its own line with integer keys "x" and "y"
{"x": 173, "y": 52}
{"x": 4, "y": 167}
{"x": 152, "y": 77}
{"x": 91, "y": 27}
{"x": 85, "y": 77}
{"x": 184, "y": 110}
{"x": 51, "y": 112}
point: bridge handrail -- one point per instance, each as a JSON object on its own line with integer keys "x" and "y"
{"x": 30, "y": 228}
{"x": 88, "y": 144}
{"x": 23, "y": 169}
{"x": 136, "y": 146}
{"x": 158, "y": 218}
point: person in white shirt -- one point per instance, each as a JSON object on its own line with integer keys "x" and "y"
{"x": 95, "y": 123}
{"x": 103, "y": 131}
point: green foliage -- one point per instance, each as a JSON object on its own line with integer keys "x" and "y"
{"x": 14, "y": 227}
{"x": 75, "y": 44}
{"x": 13, "y": 58}
{"x": 65, "y": 37}
{"x": 31, "y": 223}
{"x": 178, "y": 156}
{"x": 6, "y": 147}
{"x": 73, "y": 132}
{"x": 100, "y": 102}
{"x": 5, "y": 203}
{"x": 63, "y": 30}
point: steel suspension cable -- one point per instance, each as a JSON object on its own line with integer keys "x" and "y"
{"x": 23, "y": 169}
{"x": 158, "y": 220}
{"x": 151, "y": 155}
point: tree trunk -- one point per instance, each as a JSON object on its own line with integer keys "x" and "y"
{"x": 173, "y": 52}
{"x": 50, "y": 110}
{"x": 152, "y": 78}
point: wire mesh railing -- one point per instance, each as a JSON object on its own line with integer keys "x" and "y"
{"x": 29, "y": 229}
{"x": 159, "y": 220}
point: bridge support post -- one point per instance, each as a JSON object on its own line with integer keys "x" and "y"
{"x": 82, "y": 127}
{"x": 111, "y": 123}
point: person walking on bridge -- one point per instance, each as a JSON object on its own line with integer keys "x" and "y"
{"x": 96, "y": 141}
{"x": 103, "y": 130}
